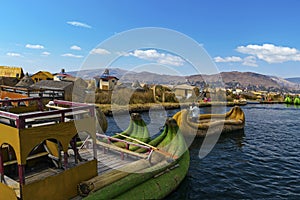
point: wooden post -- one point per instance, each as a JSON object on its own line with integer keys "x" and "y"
{"x": 21, "y": 169}
{"x": 92, "y": 111}
{"x": 20, "y": 122}
{"x": 40, "y": 104}
{"x": 66, "y": 160}
{"x": 62, "y": 118}
{"x": 95, "y": 149}
{"x": 1, "y": 166}
{"x": 73, "y": 145}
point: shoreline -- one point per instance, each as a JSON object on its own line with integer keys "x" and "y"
{"x": 107, "y": 108}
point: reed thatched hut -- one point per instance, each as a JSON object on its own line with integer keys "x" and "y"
{"x": 41, "y": 75}
{"x": 55, "y": 87}
{"x": 8, "y": 81}
{"x": 13, "y": 72}
{"x": 25, "y": 82}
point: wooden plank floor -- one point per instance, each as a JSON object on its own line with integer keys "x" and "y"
{"x": 107, "y": 159}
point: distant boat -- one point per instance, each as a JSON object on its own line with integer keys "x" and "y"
{"x": 288, "y": 100}
{"x": 231, "y": 121}
{"x": 297, "y": 101}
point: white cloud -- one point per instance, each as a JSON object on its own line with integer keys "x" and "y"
{"x": 79, "y": 24}
{"x": 271, "y": 53}
{"x": 45, "y": 53}
{"x": 250, "y": 61}
{"x": 99, "y": 51}
{"x": 13, "y": 54}
{"x": 71, "y": 55}
{"x": 247, "y": 61}
{"x": 161, "y": 58}
{"x": 34, "y": 46}
{"x": 228, "y": 59}
{"x": 75, "y": 47}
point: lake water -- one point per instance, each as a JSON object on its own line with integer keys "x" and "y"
{"x": 261, "y": 162}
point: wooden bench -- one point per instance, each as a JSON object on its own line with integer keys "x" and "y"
{"x": 11, "y": 162}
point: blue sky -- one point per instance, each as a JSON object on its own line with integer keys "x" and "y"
{"x": 244, "y": 35}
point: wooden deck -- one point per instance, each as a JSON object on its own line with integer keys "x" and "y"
{"x": 107, "y": 161}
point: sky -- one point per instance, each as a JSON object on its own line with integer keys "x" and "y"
{"x": 259, "y": 36}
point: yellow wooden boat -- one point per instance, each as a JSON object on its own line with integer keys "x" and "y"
{"x": 39, "y": 158}
{"x": 209, "y": 124}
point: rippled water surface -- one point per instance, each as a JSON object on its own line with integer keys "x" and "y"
{"x": 262, "y": 162}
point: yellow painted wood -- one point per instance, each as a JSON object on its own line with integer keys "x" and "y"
{"x": 28, "y": 158}
{"x": 10, "y": 135}
{"x": 30, "y": 137}
{"x": 24, "y": 140}
{"x": 62, "y": 185}
{"x": 53, "y": 148}
{"x": 7, "y": 192}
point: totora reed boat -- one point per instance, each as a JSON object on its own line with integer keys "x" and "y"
{"x": 61, "y": 152}
{"x": 209, "y": 124}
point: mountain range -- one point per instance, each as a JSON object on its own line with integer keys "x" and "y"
{"x": 248, "y": 80}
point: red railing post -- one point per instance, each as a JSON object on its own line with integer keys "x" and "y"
{"x": 20, "y": 122}
{"x": 92, "y": 111}
{"x": 73, "y": 145}
{"x": 21, "y": 170}
{"x": 62, "y": 117}
{"x": 66, "y": 160}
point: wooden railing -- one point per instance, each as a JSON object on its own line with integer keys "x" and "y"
{"x": 21, "y": 119}
{"x": 47, "y": 93}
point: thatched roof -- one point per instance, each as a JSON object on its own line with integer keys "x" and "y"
{"x": 91, "y": 85}
{"x": 52, "y": 85}
{"x": 26, "y": 81}
{"x": 136, "y": 84}
{"x": 184, "y": 87}
{"x": 14, "y": 72}
{"x": 47, "y": 74}
{"x": 8, "y": 81}
{"x": 77, "y": 81}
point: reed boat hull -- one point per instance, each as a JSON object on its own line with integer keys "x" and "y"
{"x": 148, "y": 185}
{"x": 210, "y": 124}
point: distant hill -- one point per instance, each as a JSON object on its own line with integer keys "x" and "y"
{"x": 248, "y": 80}
{"x": 240, "y": 79}
{"x": 286, "y": 83}
{"x": 90, "y": 73}
{"x": 294, "y": 80}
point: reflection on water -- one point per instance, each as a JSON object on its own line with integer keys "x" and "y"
{"x": 261, "y": 162}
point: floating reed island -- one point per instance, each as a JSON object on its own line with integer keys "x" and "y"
{"x": 109, "y": 109}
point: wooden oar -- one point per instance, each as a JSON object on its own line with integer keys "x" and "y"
{"x": 148, "y": 145}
